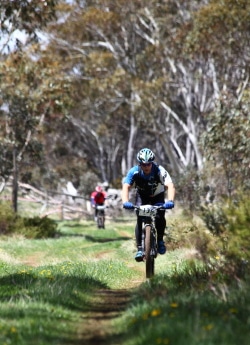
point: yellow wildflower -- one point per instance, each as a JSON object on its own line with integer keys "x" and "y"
{"x": 174, "y": 305}
{"x": 155, "y": 312}
{"x": 233, "y": 310}
{"x": 208, "y": 327}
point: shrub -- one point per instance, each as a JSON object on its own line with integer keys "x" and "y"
{"x": 214, "y": 218}
{"x": 188, "y": 185}
{"x": 7, "y": 219}
{"x": 11, "y": 223}
{"x": 39, "y": 227}
{"x": 230, "y": 222}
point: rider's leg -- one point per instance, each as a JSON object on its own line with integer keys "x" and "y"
{"x": 138, "y": 233}
{"x": 138, "y": 236}
{"x": 160, "y": 224}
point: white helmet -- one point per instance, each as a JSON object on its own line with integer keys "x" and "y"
{"x": 98, "y": 189}
{"x": 145, "y": 156}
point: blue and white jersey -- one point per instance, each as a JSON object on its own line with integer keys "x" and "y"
{"x": 151, "y": 184}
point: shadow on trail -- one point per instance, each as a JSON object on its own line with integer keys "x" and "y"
{"x": 46, "y": 286}
{"x": 74, "y": 225}
{"x": 96, "y": 239}
{"x": 70, "y": 234}
{"x": 106, "y": 239}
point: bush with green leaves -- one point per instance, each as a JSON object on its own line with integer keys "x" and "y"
{"x": 189, "y": 187}
{"x": 7, "y": 219}
{"x": 36, "y": 227}
{"x": 230, "y": 223}
{"x": 39, "y": 227}
{"x": 226, "y": 142}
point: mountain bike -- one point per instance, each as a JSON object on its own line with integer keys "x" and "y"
{"x": 100, "y": 216}
{"x": 149, "y": 235}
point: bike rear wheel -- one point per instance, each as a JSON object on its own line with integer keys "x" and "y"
{"x": 149, "y": 258}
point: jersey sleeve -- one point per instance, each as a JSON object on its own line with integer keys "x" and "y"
{"x": 164, "y": 176}
{"x": 129, "y": 178}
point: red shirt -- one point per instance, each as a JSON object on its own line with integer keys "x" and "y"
{"x": 98, "y": 197}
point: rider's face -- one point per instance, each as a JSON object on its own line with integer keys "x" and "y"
{"x": 146, "y": 168}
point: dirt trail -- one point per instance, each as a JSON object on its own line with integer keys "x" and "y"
{"x": 108, "y": 305}
{"x": 97, "y": 323}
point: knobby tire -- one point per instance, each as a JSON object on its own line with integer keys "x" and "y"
{"x": 150, "y": 260}
{"x": 100, "y": 220}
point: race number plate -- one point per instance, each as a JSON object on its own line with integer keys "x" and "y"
{"x": 100, "y": 208}
{"x": 146, "y": 210}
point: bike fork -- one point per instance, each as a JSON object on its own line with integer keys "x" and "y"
{"x": 143, "y": 240}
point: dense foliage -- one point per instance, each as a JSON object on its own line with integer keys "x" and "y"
{"x": 35, "y": 227}
{"x": 230, "y": 223}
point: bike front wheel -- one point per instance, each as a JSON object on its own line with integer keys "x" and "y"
{"x": 100, "y": 220}
{"x": 149, "y": 258}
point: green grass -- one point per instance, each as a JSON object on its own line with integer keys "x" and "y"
{"x": 44, "y": 304}
{"x": 48, "y": 286}
{"x": 169, "y": 311}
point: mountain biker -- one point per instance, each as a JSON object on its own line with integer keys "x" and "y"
{"x": 150, "y": 181}
{"x": 97, "y": 198}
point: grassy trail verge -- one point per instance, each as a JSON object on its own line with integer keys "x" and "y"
{"x": 85, "y": 288}
{"x": 66, "y": 290}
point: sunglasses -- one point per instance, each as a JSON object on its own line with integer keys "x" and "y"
{"x": 145, "y": 164}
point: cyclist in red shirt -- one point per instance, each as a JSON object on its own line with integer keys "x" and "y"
{"x": 97, "y": 198}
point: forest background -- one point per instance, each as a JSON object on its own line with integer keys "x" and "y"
{"x": 86, "y": 84}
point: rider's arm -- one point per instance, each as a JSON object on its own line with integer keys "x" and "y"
{"x": 92, "y": 199}
{"x": 170, "y": 190}
{"x": 125, "y": 192}
{"x": 127, "y": 184}
{"x": 168, "y": 183}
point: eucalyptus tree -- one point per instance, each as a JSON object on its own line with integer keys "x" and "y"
{"x": 102, "y": 43}
{"x": 196, "y": 63}
{"x": 24, "y": 104}
{"x": 220, "y": 34}
{"x": 227, "y": 143}
{"x": 116, "y": 51}
{"x": 23, "y": 18}
{"x": 33, "y": 95}
{"x": 140, "y": 73}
